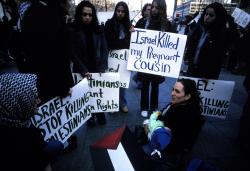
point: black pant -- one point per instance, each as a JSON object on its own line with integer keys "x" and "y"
{"x": 153, "y": 98}
{"x": 100, "y": 118}
{"x": 245, "y": 124}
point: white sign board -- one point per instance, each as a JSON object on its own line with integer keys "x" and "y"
{"x": 59, "y": 118}
{"x": 156, "y": 52}
{"x": 241, "y": 17}
{"x": 117, "y": 62}
{"x": 103, "y": 91}
{"x": 216, "y": 96}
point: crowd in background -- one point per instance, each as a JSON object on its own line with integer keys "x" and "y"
{"x": 41, "y": 39}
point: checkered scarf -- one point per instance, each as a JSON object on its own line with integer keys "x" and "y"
{"x": 18, "y": 95}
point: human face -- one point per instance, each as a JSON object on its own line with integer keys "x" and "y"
{"x": 120, "y": 12}
{"x": 87, "y": 15}
{"x": 178, "y": 93}
{"x": 209, "y": 16}
{"x": 154, "y": 9}
{"x": 147, "y": 11}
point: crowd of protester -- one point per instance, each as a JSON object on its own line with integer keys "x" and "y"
{"x": 47, "y": 47}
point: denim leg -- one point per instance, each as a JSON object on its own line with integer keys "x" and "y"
{"x": 122, "y": 98}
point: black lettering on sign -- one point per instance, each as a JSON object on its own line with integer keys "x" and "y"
{"x": 152, "y": 66}
{"x": 137, "y": 53}
{"x": 164, "y": 41}
{"x": 208, "y": 110}
{"x": 122, "y": 56}
{"x": 114, "y": 69}
{"x": 107, "y": 105}
{"x": 202, "y": 85}
{"x": 98, "y": 83}
{"x": 215, "y": 102}
{"x": 164, "y": 57}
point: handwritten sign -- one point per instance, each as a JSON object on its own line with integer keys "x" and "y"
{"x": 156, "y": 52}
{"x": 241, "y": 17}
{"x": 59, "y": 118}
{"x": 103, "y": 91}
{"x": 117, "y": 62}
{"x": 216, "y": 96}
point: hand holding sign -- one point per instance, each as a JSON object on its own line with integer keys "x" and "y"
{"x": 156, "y": 52}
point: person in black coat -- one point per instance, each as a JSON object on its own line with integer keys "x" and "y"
{"x": 117, "y": 32}
{"x": 90, "y": 51}
{"x": 158, "y": 21}
{"x": 22, "y": 145}
{"x": 206, "y": 47}
{"x": 46, "y": 42}
{"x": 144, "y": 21}
{"x": 183, "y": 116}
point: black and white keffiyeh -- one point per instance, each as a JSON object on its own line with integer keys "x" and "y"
{"x": 18, "y": 93}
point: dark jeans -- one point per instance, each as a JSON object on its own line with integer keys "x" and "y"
{"x": 152, "y": 99}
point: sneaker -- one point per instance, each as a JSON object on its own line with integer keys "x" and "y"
{"x": 144, "y": 113}
{"x": 124, "y": 109}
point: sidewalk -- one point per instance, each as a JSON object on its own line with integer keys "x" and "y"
{"x": 216, "y": 143}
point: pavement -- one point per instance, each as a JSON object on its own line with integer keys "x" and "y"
{"x": 216, "y": 144}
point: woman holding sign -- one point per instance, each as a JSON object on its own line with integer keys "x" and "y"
{"x": 89, "y": 47}
{"x": 117, "y": 32}
{"x": 206, "y": 46}
{"x": 158, "y": 21}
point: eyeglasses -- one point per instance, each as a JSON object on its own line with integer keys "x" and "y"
{"x": 85, "y": 14}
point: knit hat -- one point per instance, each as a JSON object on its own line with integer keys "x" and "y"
{"x": 18, "y": 95}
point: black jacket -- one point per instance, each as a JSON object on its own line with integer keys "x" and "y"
{"x": 185, "y": 121}
{"x": 112, "y": 36}
{"x": 22, "y": 149}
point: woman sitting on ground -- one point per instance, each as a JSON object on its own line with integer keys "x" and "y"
{"x": 183, "y": 116}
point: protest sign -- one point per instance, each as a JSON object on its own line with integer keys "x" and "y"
{"x": 59, "y": 118}
{"x": 103, "y": 91}
{"x": 117, "y": 62}
{"x": 216, "y": 96}
{"x": 156, "y": 52}
{"x": 241, "y": 17}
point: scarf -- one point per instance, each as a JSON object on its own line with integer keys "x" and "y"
{"x": 18, "y": 95}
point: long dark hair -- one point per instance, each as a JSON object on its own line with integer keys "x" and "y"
{"x": 220, "y": 20}
{"x": 162, "y": 7}
{"x": 144, "y": 9}
{"x": 78, "y": 22}
{"x": 190, "y": 89}
{"x": 126, "y": 20}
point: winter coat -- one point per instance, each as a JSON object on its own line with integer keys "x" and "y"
{"x": 185, "y": 121}
{"x": 80, "y": 52}
{"x": 210, "y": 57}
